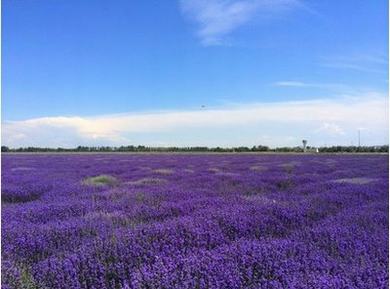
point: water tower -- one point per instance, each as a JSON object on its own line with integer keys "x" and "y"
{"x": 304, "y": 142}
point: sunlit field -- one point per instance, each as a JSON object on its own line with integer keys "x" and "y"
{"x": 194, "y": 221}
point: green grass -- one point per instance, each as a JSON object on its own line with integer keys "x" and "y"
{"x": 100, "y": 180}
{"x": 357, "y": 181}
{"x": 148, "y": 181}
{"x": 163, "y": 171}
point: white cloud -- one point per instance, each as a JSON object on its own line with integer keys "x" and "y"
{"x": 218, "y": 18}
{"x": 362, "y": 62}
{"x": 292, "y": 84}
{"x": 220, "y": 125}
{"x": 331, "y": 128}
{"x": 335, "y": 87}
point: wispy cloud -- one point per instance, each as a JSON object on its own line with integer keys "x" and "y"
{"x": 362, "y": 62}
{"x": 217, "y": 18}
{"x": 291, "y": 83}
{"x": 186, "y": 127}
{"x": 338, "y": 88}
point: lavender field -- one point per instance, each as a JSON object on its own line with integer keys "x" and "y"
{"x": 194, "y": 221}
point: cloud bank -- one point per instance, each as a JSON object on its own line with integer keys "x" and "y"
{"x": 282, "y": 123}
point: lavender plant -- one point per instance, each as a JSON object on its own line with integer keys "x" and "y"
{"x": 120, "y": 221}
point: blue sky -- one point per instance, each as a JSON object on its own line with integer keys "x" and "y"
{"x": 139, "y": 72}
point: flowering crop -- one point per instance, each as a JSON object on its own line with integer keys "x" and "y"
{"x": 194, "y": 221}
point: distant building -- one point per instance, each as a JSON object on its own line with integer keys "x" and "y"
{"x": 308, "y": 149}
{"x": 304, "y": 142}
{"x": 311, "y": 150}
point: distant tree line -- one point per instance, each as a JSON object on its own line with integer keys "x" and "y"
{"x": 259, "y": 148}
{"x": 355, "y": 149}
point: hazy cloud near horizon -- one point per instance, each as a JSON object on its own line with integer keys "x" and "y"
{"x": 323, "y": 122}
